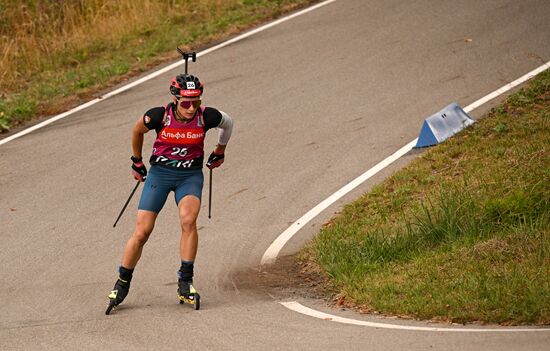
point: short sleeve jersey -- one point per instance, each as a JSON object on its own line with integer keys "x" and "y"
{"x": 180, "y": 145}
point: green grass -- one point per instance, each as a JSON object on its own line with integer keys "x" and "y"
{"x": 462, "y": 234}
{"x": 57, "y": 54}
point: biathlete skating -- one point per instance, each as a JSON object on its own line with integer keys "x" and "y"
{"x": 176, "y": 165}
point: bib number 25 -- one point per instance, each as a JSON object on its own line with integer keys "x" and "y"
{"x": 179, "y": 151}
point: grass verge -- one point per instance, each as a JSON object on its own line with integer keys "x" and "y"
{"x": 462, "y": 234}
{"x": 55, "y": 54}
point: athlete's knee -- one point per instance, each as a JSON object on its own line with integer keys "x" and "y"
{"x": 141, "y": 236}
{"x": 143, "y": 230}
{"x": 188, "y": 223}
{"x": 188, "y": 226}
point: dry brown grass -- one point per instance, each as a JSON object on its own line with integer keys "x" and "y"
{"x": 56, "y": 54}
{"x": 34, "y": 34}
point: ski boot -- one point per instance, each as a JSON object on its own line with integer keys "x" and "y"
{"x": 117, "y": 295}
{"x": 188, "y": 294}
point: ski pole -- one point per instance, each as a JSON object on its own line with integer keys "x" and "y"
{"x": 210, "y": 196}
{"x": 126, "y": 204}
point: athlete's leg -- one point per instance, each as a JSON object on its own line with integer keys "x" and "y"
{"x": 144, "y": 226}
{"x": 132, "y": 253}
{"x": 189, "y": 207}
{"x": 153, "y": 196}
{"x": 188, "y": 198}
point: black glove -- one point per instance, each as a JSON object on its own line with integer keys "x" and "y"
{"x": 138, "y": 169}
{"x": 215, "y": 160}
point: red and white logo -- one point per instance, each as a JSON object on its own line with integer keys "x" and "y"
{"x": 182, "y": 136}
{"x": 167, "y": 120}
{"x": 191, "y": 93}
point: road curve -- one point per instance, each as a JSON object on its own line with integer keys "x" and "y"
{"x": 317, "y": 100}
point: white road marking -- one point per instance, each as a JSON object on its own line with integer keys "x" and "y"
{"x": 161, "y": 71}
{"x": 270, "y": 255}
{"x": 507, "y": 87}
{"x": 273, "y": 250}
{"x": 298, "y": 307}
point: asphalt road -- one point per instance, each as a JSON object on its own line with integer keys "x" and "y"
{"x": 316, "y": 101}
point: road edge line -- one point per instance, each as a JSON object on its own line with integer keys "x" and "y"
{"x": 276, "y": 246}
{"x": 270, "y": 255}
{"x": 273, "y": 250}
{"x": 161, "y": 71}
{"x": 298, "y": 307}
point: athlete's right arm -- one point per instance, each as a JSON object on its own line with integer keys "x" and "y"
{"x": 137, "y": 138}
{"x": 152, "y": 119}
{"x": 139, "y": 171}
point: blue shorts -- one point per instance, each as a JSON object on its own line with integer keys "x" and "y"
{"x": 161, "y": 180}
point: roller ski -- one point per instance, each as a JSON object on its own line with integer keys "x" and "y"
{"x": 119, "y": 293}
{"x": 188, "y": 294}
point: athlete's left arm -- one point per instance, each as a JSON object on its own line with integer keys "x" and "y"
{"x": 225, "y": 128}
{"x": 214, "y": 118}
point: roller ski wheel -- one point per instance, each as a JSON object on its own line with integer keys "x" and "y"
{"x": 117, "y": 295}
{"x": 110, "y": 307}
{"x": 188, "y": 294}
{"x": 194, "y": 300}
